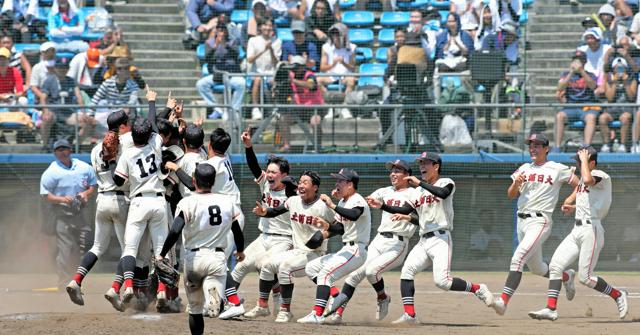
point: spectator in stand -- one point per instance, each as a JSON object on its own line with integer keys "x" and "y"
{"x": 506, "y": 40}
{"x": 319, "y": 22}
{"x": 399, "y": 36}
{"x": 595, "y": 52}
{"x": 621, "y": 86}
{"x": 222, "y": 55}
{"x": 452, "y": 47}
{"x": 613, "y": 31}
{"x": 18, "y": 19}
{"x": 485, "y": 28}
{"x": 300, "y": 46}
{"x": 112, "y": 40}
{"x": 468, "y": 12}
{"x": 110, "y": 69}
{"x": 505, "y": 10}
{"x": 624, "y": 8}
{"x": 335, "y": 10}
{"x": 203, "y": 15}
{"x": 338, "y": 57}
{"x": 281, "y": 9}
{"x": 263, "y": 53}
{"x": 66, "y": 23}
{"x": 40, "y": 71}
{"x": 11, "y": 87}
{"x": 86, "y": 69}
{"x": 17, "y": 60}
{"x": 419, "y": 26}
{"x": 576, "y": 85}
{"x": 259, "y": 14}
{"x": 635, "y": 130}
{"x": 119, "y": 89}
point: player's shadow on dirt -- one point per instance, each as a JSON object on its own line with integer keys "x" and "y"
{"x": 422, "y": 324}
{"x": 459, "y": 325}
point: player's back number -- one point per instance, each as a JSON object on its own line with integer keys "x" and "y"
{"x": 148, "y": 166}
{"x": 215, "y": 217}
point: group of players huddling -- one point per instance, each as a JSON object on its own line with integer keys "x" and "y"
{"x": 161, "y": 173}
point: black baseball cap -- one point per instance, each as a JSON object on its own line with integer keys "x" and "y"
{"x": 593, "y": 154}
{"x": 430, "y": 156}
{"x": 538, "y": 138}
{"x": 61, "y": 143}
{"x": 398, "y": 163}
{"x": 348, "y": 175}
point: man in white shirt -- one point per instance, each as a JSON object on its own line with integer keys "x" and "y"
{"x": 263, "y": 53}
{"x": 595, "y": 52}
{"x": 83, "y": 68}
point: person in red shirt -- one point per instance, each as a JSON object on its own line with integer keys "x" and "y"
{"x": 11, "y": 83}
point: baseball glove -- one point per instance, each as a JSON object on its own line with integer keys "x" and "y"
{"x": 166, "y": 273}
{"x": 110, "y": 144}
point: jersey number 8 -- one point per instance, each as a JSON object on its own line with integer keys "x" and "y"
{"x": 215, "y": 219}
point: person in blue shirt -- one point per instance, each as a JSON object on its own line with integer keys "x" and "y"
{"x": 67, "y": 184}
{"x": 203, "y": 15}
{"x": 300, "y": 47}
{"x": 65, "y": 24}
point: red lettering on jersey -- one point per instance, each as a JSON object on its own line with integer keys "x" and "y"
{"x": 294, "y": 217}
{"x": 428, "y": 199}
{"x": 549, "y": 180}
{"x": 540, "y": 178}
{"x": 396, "y": 203}
{"x": 583, "y": 188}
{"x": 390, "y": 202}
{"x": 309, "y": 219}
{"x": 301, "y": 218}
{"x": 532, "y": 178}
{"x": 276, "y": 203}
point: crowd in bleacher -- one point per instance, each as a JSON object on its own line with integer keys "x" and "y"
{"x": 604, "y": 69}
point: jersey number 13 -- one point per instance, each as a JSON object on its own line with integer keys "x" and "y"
{"x": 149, "y": 168}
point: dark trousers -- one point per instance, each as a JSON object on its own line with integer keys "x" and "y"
{"x": 74, "y": 237}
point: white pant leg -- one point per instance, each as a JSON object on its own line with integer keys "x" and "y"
{"x": 135, "y": 227}
{"x": 532, "y": 233}
{"x": 313, "y": 268}
{"x": 145, "y": 250}
{"x": 158, "y": 227}
{"x": 439, "y": 251}
{"x": 274, "y": 245}
{"x": 111, "y": 211}
{"x": 391, "y": 255}
{"x": 591, "y": 245}
{"x": 358, "y": 275}
{"x": 566, "y": 253}
{"x": 204, "y": 269}
{"x": 416, "y": 261}
{"x": 252, "y": 252}
{"x": 293, "y": 265}
{"x": 345, "y": 261}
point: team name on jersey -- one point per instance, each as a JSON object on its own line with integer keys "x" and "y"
{"x": 427, "y": 199}
{"x": 270, "y": 201}
{"x": 301, "y": 218}
{"x": 582, "y": 188}
{"x": 540, "y": 178}
{"x": 394, "y": 202}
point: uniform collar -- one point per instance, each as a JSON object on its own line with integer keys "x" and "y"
{"x": 73, "y": 164}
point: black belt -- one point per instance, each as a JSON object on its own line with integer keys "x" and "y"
{"x": 273, "y": 234}
{"x": 579, "y": 222}
{"x": 432, "y": 233}
{"x": 159, "y": 194}
{"x": 114, "y": 192}
{"x": 350, "y": 243}
{"x": 198, "y": 249}
{"x": 527, "y": 215}
{"x": 392, "y": 235}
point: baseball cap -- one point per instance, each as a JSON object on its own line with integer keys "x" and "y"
{"x": 46, "y": 46}
{"x": 61, "y": 143}
{"x": 93, "y": 57}
{"x": 595, "y": 32}
{"x": 298, "y": 26}
{"x": 589, "y": 21}
{"x": 4, "y": 52}
{"x": 430, "y": 156}
{"x": 297, "y": 60}
{"x": 398, "y": 163}
{"x": 593, "y": 154}
{"x": 537, "y": 138}
{"x": 348, "y": 175}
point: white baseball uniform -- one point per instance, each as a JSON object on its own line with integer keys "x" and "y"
{"x": 291, "y": 263}
{"x": 389, "y": 248}
{"x": 434, "y": 247}
{"x": 187, "y": 163}
{"x": 538, "y": 197}
{"x": 275, "y": 234}
{"x": 587, "y": 237}
{"x": 330, "y": 268}
{"x": 208, "y": 218}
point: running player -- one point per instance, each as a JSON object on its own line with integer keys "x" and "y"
{"x": 592, "y": 199}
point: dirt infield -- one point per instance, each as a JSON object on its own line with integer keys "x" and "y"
{"x": 24, "y": 310}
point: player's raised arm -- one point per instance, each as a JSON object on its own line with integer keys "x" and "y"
{"x": 585, "y": 172}
{"x": 252, "y": 160}
{"x": 259, "y": 210}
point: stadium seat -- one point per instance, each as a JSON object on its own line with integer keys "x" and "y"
{"x": 241, "y": 16}
{"x": 43, "y": 13}
{"x": 444, "y": 14}
{"x": 97, "y": 16}
{"x": 217, "y": 88}
{"x": 358, "y": 19}
{"x": 336, "y": 87}
{"x": 281, "y": 21}
{"x": 441, "y": 4}
{"x": 381, "y": 55}
{"x": 414, "y": 4}
{"x": 450, "y": 80}
{"x": 363, "y": 55}
{"x": 386, "y": 36}
{"x": 524, "y": 17}
{"x": 527, "y": 3}
{"x": 372, "y": 69}
{"x": 22, "y": 47}
{"x": 284, "y": 34}
{"x": 579, "y": 125}
{"x": 346, "y": 4}
{"x": 394, "y": 19}
{"x": 361, "y": 36}
{"x": 200, "y": 51}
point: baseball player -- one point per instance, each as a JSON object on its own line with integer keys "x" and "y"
{"x": 537, "y": 186}
{"x": 434, "y": 205}
{"x": 592, "y": 199}
{"x": 388, "y": 249}
{"x": 183, "y": 168}
{"x": 308, "y": 240}
{"x": 141, "y": 165}
{"x": 204, "y": 219}
{"x": 353, "y": 222}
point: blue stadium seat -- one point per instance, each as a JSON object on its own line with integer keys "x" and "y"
{"x": 414, "y": 4}
{"x": 394, "y": 19}
{"x": 527, "y": 3}
{"x": 336, "y": 87}
{"x": 444, "y": 15}
{"x": 372, "y": 69}
{"x": 450, "y": 80}
{"x": 345, "y": 4}
{"x": 282, "y": 21}
{"x": 88, "y": 34}
{"x": 200, "y": 51}
{"x": 43, "y": 13}
{"x": 241, "y": 16}
{"x": 363, "y": 55}
{"x": 217, "y": 88}
{"x": 524, "y": 17}
{"x": 22, "y": 47}
{"x": 579, "y": 125}
{"x": 381, "y": 55}
{"x": 358, "y": 19}
{"x": 67, "y": 55}
{"x": 361, "y": 36}
{"x": 284, "y": 34}
{"x": 386, "y": 36}
{"x": 441, "y": 4}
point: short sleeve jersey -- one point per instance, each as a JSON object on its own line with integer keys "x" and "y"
{"x": 208, "y": 218}
{"x": 593, "y": 202}
{"x": 359, "y": 230}
{"x": 225, "y": 182}
{"x": 141, "y": 167}
{"x": 187, "y": 163}
{"x": 539, "y": 192}
{"x": 103, "y": 172}
{"x": 435, "y": 213}
{"x": 272, "y": 199}
{"x": 301, "y": 216}
{"x": 391, "y": 197}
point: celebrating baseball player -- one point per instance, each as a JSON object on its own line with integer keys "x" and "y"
{"x": 353, "y": 222}
{"x": 388, "y": 249}
{"x": 592, "y": 199}
{"x": 308, "y": 240}
{"x": 537, "y": 186}
{"x": 205, "y": 220}
{"x": 434, "y": 205}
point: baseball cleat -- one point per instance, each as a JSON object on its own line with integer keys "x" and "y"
{"x": 569, "y": 285}
{"x": 406, "y": 319}
{"x": 232, "y": 312}
{"x": 621, "y": 301}
{"x": 312, "y": 318}
{"x": 127, "y": 296}
{"x": 75, "y": 294}
{"x": 284, "y": 316}
{"x": 383, "y": 308}
{"x": 114, "y": 298}
{"x": 335, "y": 303}
{"x": 213, "y": 307}
{"x": 161, "y": 300}
{"x": 334, "y": 319}
{"x": 499, "y": 306}
{"x": 485, "y": 295}
{"x": 544, "y": 314}
{"x": 257, "y": 311}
